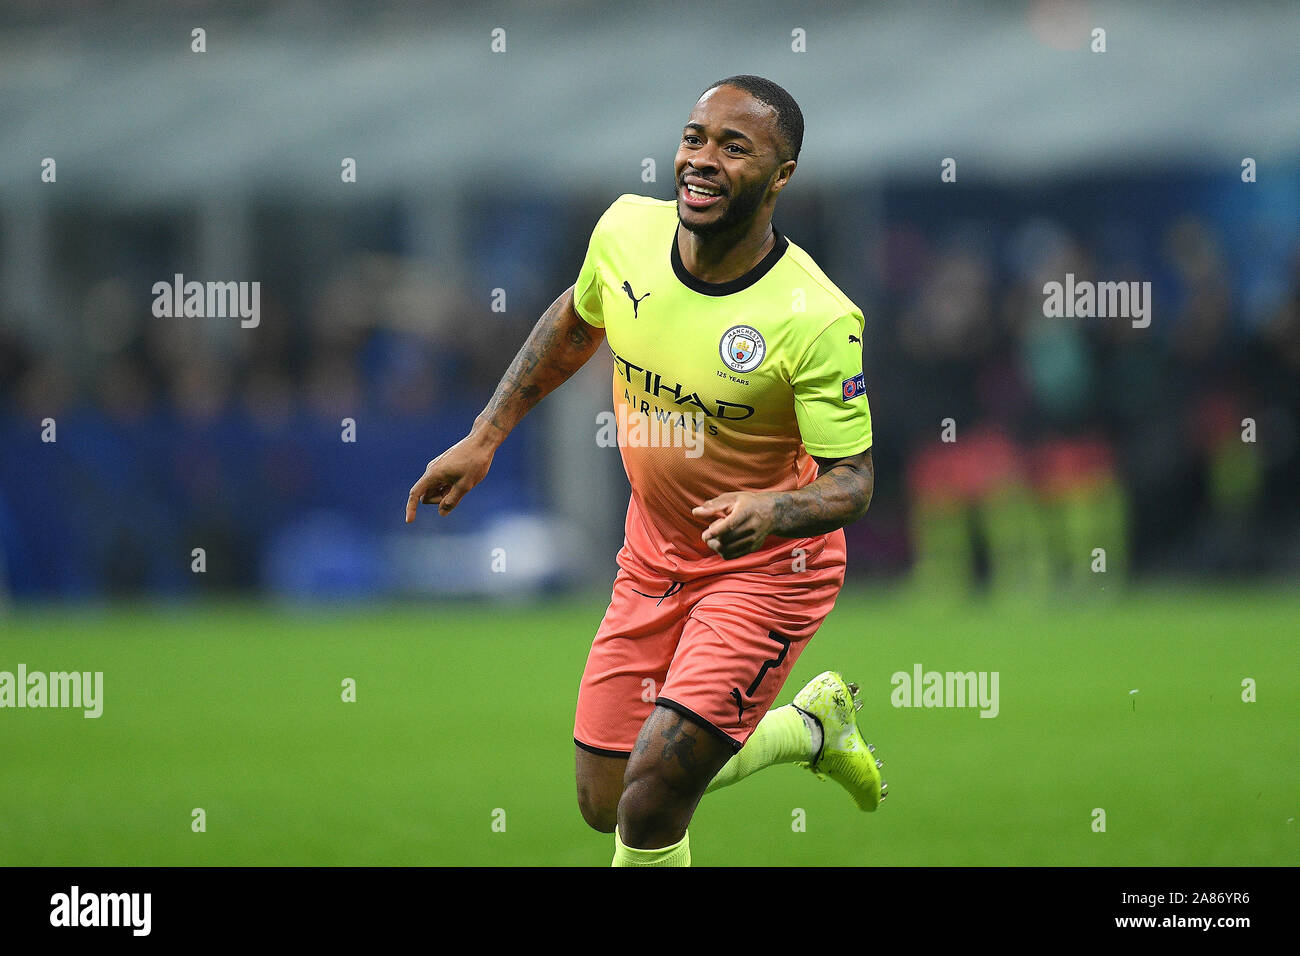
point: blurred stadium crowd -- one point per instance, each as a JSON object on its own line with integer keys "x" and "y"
{"x": 1172, "y": 447}
{"x": 1070, "y": 434}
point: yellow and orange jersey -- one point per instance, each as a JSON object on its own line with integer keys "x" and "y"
{"x": 719, "y": 386}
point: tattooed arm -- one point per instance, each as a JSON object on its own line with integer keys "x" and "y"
{"x": 559, "y": 345}
{"x": 742, "y": 520}
{"x": 840, "y": 495}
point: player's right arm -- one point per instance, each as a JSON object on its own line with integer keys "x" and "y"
{"x": 559, "y": 345}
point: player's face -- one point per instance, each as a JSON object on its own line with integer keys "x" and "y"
{"x": 729, "y": 146}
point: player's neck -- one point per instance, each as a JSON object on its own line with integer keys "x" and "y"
{"x": 725, "y": 257}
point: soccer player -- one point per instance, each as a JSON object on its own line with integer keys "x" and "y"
{"x": 726, "y": 336}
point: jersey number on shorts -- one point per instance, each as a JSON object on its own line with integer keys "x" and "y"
{"x": 767, "y": 665}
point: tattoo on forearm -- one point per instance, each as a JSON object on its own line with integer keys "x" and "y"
{"x": 838, "y": 497}
{"x": 556, "y": 348}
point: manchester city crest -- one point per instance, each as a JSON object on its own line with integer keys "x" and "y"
{"x": 742, "y": 348}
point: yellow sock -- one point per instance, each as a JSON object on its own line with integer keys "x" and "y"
{"x": 679, "y": 854}
{"x": 782, "y": 736}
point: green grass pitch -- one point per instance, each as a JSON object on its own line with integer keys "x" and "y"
{"x": 464, "y": 710}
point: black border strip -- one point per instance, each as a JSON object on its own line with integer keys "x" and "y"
{"x": 737, "y": 284}
{"x": 602, "y": 753}
{"x": 1037, "y": 899}
{"x": 687, "y": 712}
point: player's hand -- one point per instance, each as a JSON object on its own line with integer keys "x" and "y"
{"x": 450, "y": 476}
{"x": 742, "y": 521}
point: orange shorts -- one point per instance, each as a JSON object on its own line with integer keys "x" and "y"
{"x": 717, "y": 649}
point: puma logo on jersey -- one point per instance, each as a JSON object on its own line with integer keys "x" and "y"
{"x": 741, "y": 706}
{"x": 636, "y": 303}
{"x": 854, "y": 338}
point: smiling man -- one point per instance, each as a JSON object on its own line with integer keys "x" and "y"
{"x": 732, "y": 559}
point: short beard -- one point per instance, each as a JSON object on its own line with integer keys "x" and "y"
{"x": 740, "y": 210}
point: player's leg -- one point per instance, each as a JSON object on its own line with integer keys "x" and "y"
{"x": 600, "y": 784}
{"x": 675, "y": 757}
{"x": 627, "y": 664}
{"x": 819, "y": 729}
{"x": 728, "y": 667}
{"x": 784, "y": 735}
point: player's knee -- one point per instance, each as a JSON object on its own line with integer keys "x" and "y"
{"x": 653, "y": 804}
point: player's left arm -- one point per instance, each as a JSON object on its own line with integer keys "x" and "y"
{"x": 835, "y": 426}
{"x": 743, "y": 519}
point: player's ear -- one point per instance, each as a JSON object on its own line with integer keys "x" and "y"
{"x": 782, "y": 176}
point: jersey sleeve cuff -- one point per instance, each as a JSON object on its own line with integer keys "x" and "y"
{"x": 838, "y": 451}
{"x": 586, "y": 318}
